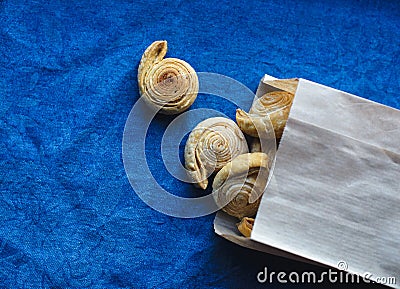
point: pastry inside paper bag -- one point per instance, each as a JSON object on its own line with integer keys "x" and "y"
{"x": 239, "y": 185}
{"x": 241, "y": 177}
{"x": 271, "y": 107}
{"x": 245, "y": 226}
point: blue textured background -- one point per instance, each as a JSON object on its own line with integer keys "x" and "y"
{"x": 68, "y": 216}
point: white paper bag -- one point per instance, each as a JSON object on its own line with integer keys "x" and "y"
{"x": 335, "y": 193}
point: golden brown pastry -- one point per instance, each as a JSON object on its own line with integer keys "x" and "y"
{"x": 289, "y": 85}
{"x": 245, "y": 226}
{"x": 238, "y": 186}
{"x": 168, "y": 84}
{"x": 211, "y": 145}
{"x": 274, "y": 106}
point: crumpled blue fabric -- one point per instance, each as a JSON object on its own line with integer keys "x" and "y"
{"x": 68, "y": 215}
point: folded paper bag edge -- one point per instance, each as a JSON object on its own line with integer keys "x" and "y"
{"x": 224, "y": 226}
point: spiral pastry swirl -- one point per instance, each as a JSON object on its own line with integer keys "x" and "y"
{"x": 211, "y": 145}
{"x": 168, "y": 84}
{"x": 275, "y": 105}
{"x": 272, "y": 102}
{"x": 241, "y": 183}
